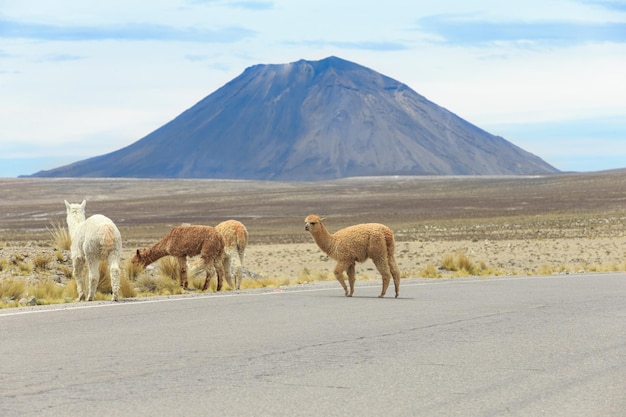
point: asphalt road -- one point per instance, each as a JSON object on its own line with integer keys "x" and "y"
{"x": 518, "y": 346}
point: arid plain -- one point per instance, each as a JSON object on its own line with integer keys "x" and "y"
{"x": 509, "y": 225}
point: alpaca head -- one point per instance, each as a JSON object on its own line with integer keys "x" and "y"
{"x": 312, "y": 222}
{"x": 76, "y": 211}
{"x": 139, "y": 259}
{"x": 75, "y": 214}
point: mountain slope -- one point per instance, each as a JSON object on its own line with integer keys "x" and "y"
{"x": 311, "y": 120}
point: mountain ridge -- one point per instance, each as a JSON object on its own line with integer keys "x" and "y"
{"x": 311, "y": 120}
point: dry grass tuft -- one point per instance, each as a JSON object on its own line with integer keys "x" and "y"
{"x": 104, "y": 278}
{"x": 60, "y": 256}
{"x": 70, "y": 290}
{"x": 25, "y": 267}
{"x": 48, "y": 292}
{"x": 307, "y": 276}
{"x": 268, "y": 282}
{"x": 461, "y": 265}
{"x": 41, "y": 261}
{"x": 4, "y": 264}
{"x": 168, "y": 266}
{"x": 127, "y": 289}
{"x": 66, "y": 270}
{"x": 430, "y": 271}
{"x": 12, "y": 289}
{"x": 146, "y": 284}
{"x": 60, "y": 236}
{"x": 131, "y": 270}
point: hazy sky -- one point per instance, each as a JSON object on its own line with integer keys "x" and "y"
{"x": 80, "y": 78}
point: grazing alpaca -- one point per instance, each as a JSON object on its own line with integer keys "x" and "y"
{"x": 184, "y": 241}
{"x": 357, "y": 243}
{"x": 93, "y": 240}
{"x": 235, "y": 237}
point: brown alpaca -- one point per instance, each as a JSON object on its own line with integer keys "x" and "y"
{"x": 357, "y": 243}
{"x": 184, "y": 241}
{"x": 235, "y": 237}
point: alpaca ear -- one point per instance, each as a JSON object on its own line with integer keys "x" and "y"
{"x": 138, "y": 253}
{"x": 67, "y": 205}
{"x": 322, "y": 219}
{"x": 83, "y": 204}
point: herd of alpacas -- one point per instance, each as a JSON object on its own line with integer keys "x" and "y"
{"x": 97, "y": 239}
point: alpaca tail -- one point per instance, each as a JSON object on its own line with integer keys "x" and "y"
{"x": 389, "y": 241}
{"x": 242, "y": 241}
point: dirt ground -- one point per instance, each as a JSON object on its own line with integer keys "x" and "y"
{"x": 514, "y": 225}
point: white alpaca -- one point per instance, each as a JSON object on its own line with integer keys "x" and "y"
{"x": 93, "y": 240}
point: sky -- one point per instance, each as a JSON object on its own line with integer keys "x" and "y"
{"x": 81, "y": 78}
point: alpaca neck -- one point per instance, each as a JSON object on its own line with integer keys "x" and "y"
{"x": 153, "y": 253}
{"x": 72, "y": 224}
{"x": 324, "y": 239}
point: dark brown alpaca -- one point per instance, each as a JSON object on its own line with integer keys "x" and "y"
{"x": 184, "y": 241}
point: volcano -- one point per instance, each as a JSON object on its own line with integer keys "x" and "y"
{"x": 308, "y": 121}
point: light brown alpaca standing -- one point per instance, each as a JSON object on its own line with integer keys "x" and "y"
{"x": 235, "y": 237}
{"x": 184, "y": 241}
{"x": 357, "y": 243}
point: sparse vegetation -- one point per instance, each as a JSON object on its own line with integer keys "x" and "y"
{"x": 460, "y": 263}
{"x": 515, "y": 226}
{"x": 157, "y": 285}
{"x": 41, "y": 261}
{"x": 12, "y": 289}
{"x": 430, "y": 271}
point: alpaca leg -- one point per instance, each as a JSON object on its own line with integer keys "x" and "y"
{"x": 339, "y": 276}
{"x": 94, "y": 277}
{"x": 351, "y": 277}
{"x": 226, "y": 260}
{"x": 395, "y": 273}
{"x": 114, "y": 271}
{"x": 219, "y": 269}
{"x": 78, "y": 266}
{"x": 383, "y": 268}
{"x": 238, "y": 269}
{"x": 182, "y": 265}
{"x": 209, "y": 269}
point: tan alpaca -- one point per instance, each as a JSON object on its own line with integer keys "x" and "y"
{"x": 357, "y": 243}
{"x": 235, "y": 237}
{"x": 184, "y": 241}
